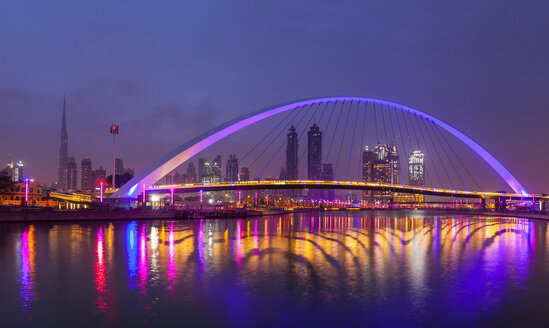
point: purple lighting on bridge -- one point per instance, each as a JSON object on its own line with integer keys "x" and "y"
{"x": 187, "y": 150}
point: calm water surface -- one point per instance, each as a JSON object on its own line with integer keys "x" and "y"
{"x": 335, "y": 269}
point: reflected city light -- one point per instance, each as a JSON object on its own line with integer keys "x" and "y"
{"x": 143, "y": 264}
{"x": 100, "y": 273}
{"x": 27, "y": 274}
{"x": 131, "y": 252}
{"x": 172, "y": 266}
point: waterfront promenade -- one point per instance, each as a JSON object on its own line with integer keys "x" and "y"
{"x": 29, "y": 214}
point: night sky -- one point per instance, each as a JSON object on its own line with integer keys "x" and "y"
{"x": 168, "y": 70}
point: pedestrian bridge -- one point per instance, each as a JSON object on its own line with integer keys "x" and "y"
{"x": 342, "y": 185}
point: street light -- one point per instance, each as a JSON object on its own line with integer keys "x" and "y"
{"x": 26, "y": 191}
{"x": 101, "y": 191}
{"x": 144, "y": 197}
{"x": 114, "y": 132}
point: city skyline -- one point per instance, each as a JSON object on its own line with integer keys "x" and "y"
{"x": 151, "y": 107}
{"x": 274, "y": 163}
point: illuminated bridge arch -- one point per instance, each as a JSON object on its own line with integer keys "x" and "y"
{"x": 186, "y": 151}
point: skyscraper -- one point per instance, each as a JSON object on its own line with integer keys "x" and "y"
{"x": 314, "y": 158}
{"x": 191, "y": 173}
{"x": 368, "y": 159}
{"x": 86, "y": 175}
{"x": 416, "y": 169}
{"x": 416, "y": 173}
{"x": 72, "y": 174}
{"x": 244, "y": 174}
{"x": 383, "y": 172}
{"x": 15, "y": 170}
{"x": 392, "y": 157}
{"x": 232, "y": 168}
{"x": 201, "y": 169}
{"x": 100, "y": 175}
{"x": 216, "y": 168}
{"x": 119, "y": 167}
{"x": 62, "y": 172}
{"x": 291, "y": 155}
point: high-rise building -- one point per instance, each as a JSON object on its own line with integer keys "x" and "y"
{"x": 386, "y": 169}
{"x": 15, "y": 171}
{"x": 369, "y": 157}
{"x": 314, "y": 153}
{"x": 232, "y": 168}
{"x": 62, "y": 171}
{"x": 118, "y": 167}
{"x": 86, "y": 175}
{"x": 216, "y": 168}
{"x": 327, "y": 175}
{"x": 72, "y": 174}
{"x": 291, "y": 155}
{"x": 416, "y": 169}
{"x": 244, "y": 174}
{"x": 392, "y": 157}
{"x": 416, "y": 177}
{"x": 191, "y": 173}
{"x": 100, "y": 175}
{"x": 201, "y": 169}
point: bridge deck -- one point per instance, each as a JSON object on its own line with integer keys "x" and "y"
{"x": 342, "y": 185}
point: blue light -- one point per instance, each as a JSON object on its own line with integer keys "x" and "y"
{"x": 132, "y": 189}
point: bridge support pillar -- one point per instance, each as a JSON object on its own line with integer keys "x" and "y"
{"x": 483, "y": 203}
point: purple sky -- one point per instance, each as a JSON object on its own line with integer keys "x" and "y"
{"x": 168, "y": 70}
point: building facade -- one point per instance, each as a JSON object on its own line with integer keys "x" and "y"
{"x": 86, "y": 175}
{"x": 72, "y": 174}
{"x": 231, "y": 168}
{"x": 62, "y": 170}
{"x": 291, "y": 155}
{"x": 191, "y": 173}
{"x": 244, "y": 174}
{"x": 314, "y": 153}
{"x": 416, "y": 172}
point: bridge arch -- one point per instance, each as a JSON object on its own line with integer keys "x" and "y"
{"x": 184, "y": 152}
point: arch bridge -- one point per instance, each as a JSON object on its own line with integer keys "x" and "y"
{"x": 163, "y": 166}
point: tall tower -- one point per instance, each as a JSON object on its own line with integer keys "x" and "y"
{"x": 231, "y": 173}
{"x": 291, "y": 155}
{"x": 369, "y": 158}
{"x": 63, "y": 151}
{"x": 416, "y": 169}
{"x": 314, "y": 158}
{"x": 86, "y": 175}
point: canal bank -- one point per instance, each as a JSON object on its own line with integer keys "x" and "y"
{"x": 32, "y": 214}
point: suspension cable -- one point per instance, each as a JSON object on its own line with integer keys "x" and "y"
{"x": 363, "y": 127}
{"x": 333, "y": 136}
{"x": 445, "y": 152}
{"x": 437, "y": 152}
{"x": 290, "y": 112}
{"x": 395, "y": 143}
{"x": 301, "y": 110}
{"x": 402, "y": 142}
{"x": 455, "y": 154}
{"x": 344, "y": 133}
{"x": 428, "y": 151}
{"x": 298, "y": 139}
